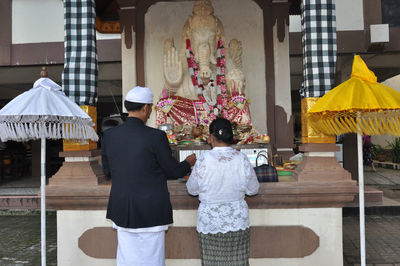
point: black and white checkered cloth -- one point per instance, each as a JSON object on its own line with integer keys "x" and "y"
{"x": 79, "y": 77}
{"x": 318, "y": 21}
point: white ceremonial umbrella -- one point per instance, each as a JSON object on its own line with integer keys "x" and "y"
{"x": 44, "y": 112}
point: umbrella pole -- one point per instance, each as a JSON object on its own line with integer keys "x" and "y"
{"x": 361, "y": 198}
{"x": 43, "y": 199}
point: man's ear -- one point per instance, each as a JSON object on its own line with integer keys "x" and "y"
{"x": 144, "y": 108}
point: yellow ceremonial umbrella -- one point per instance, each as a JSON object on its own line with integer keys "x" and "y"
{"x": 359, "y": 105}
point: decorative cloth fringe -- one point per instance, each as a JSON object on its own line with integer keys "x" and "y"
{"x": 369, "y": 123}
{"x": 23, "y": 131}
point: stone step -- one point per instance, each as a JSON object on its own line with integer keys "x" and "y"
{"x": 384, "y": 209}
{"x": 375, "y": 204}
{"x": 370, "y": 195}
{"x": 20, "y": 202}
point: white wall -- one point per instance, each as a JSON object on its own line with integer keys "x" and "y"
{"x": 383, "y": 140}
{"x": 36, "y": 21}
{"x": 393, "y": 82}
{"x": 349, "y": 16}
{"x": 165, "y": 20}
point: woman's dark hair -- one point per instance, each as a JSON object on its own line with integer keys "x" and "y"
{"x": 130, "y": 106}
{"x": 221, "y": 128}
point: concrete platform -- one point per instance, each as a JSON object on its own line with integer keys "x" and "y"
{"x": 20, "y": 194}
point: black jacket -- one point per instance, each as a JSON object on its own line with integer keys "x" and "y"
{"x": 138, "y": 159}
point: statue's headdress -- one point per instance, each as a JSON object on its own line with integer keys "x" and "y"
{"x": 203, "y": 8}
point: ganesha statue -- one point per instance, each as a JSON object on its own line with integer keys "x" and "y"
{"x": 203, "y": 79}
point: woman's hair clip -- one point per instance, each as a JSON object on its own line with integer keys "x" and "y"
{"x": 220, "y": 132}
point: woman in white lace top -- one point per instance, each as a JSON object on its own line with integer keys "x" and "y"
{"x": 221, "y": 177}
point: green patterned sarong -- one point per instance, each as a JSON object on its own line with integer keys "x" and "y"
{"x": 228, "y": 249}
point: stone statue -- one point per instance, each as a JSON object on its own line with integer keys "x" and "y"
{"x": 203, "y": 30}
{"x": 203, "y": 79}
{"x": 235, "y": 79}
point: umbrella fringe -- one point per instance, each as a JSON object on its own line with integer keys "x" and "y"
{"x": 389, "y": 122}
{"x": 353, "y": 124}
{"x": 348, "y": 122}
{"x": 27, "y": 131}
{"x": 340, "y": 127}
{"x": 58, "y": 131}
{"x": 335, "y": 126}
{"x": 63, "y": 127}
{"x": 344, "y": 123}
{"x": 386, "y": 124}
{"x": 55, "y": 128}
{"x": 7, "y": 130}
{"x": 55, "y": 131}
{"x": 14, "y": 133}
{"x": 363, "y": 125}
{"x": 380, "y": 125}
{"x": 372, "y": 127}
{"x": 396, "y": 124}
{"x": 81, "y": 131}
{"x": 18, "y": 131}
{"x": 26, "y": 127}
{"x": 375, "y": 123}
{"x": 392, "y": 124}
{"x": 51, "y": 131}
{"x": 3, "y": 132}
{"x": 66, "y": 131}
{"x": 36, "y": 130}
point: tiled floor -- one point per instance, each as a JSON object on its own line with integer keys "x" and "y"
{"x": 20, "y": 239}
{"x": 382, "y": 240}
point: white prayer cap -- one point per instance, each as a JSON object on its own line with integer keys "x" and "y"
{"x": 140, "y": 95}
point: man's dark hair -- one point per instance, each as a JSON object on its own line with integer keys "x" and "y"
{"x": 221, "y": 128}
{"x": 130, "y": 106}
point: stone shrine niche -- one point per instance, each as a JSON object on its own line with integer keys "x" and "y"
{"x": 205, "y": 32}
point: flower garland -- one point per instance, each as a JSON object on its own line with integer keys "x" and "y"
{"x": 193, "y": 68}
{"x": 220, "y": 101}
{"x": 221, "y": 71}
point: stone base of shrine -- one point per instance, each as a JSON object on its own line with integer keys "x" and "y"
{"x": 284, "y": 237}
{"x": 292, "y": 223}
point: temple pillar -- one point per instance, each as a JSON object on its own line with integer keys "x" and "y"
{"x": 80, "y": 73}
{"x": 319, "y": 67}
{"x": 283, "y": 107}
{"x": 128, "y": 62}
{"x": 127, "y": 14}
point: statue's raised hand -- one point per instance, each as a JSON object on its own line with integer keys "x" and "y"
{"x": 172, "y": 67}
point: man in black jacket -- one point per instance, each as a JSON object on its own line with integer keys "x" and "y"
{"x": 138, "y": 160}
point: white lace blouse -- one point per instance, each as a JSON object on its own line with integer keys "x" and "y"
{"x": 221, "y": 177}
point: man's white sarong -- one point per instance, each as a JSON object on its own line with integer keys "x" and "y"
{"x": 140, "y": 249}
